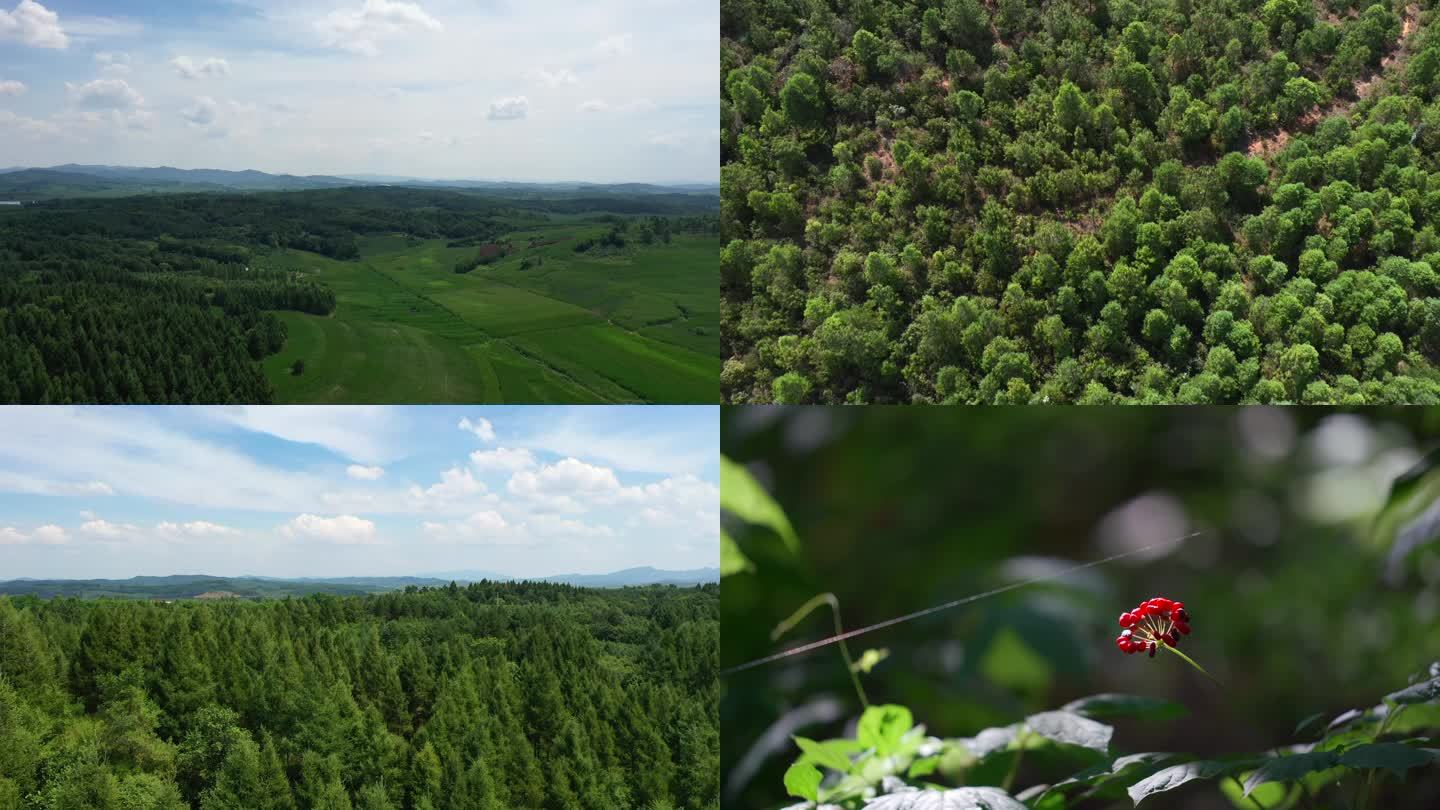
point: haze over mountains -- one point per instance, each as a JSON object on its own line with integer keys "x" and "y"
{"x": 191, "y": 586}
{"x": 73, "y": 179}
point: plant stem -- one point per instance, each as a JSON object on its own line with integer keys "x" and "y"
{"x": 1015, "y": 763}
{"x": 1192, "y": 663}
{"x": 1391, "y": 712}
{"x": 825, "y": 599}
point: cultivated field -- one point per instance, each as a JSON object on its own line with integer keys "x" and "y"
{"x": 638, "y": 325}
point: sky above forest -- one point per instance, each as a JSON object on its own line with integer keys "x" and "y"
{"x": 602, "y": 91}
{"x": 114, "y": 492}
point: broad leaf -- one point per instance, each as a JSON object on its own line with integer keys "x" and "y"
{"x": 1422, "y": 692}
{"x": 732, "y": 559}
{"x": 742, "y": 496}
{"x": 1288, "y": 769}
{"x": 882, "y": 727}
{"x": 1390, "y": 756}
{"x": 802, "y": 780}
{"x": 989, "y": 740}
{"x": 1109, "y": 705}
{"x": 834, "y": 754}
{"x": 965, "y": 798}
{"x": 1071, "y": 729}
{"x": 1177, "y": 775}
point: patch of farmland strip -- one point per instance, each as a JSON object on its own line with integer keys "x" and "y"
{"x": 608, "y": 321}
{"x": 571, "y": 378}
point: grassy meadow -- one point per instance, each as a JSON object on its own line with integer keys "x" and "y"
{"x": 544, "y": 324}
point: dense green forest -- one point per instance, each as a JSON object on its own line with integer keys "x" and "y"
{"x": 174, "y": 298}
{"x": 488, "y": 696}
{"x": 1080, "y": 201}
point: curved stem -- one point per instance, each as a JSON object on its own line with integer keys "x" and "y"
{"x": 816, "y": 601}
{"x": 1252, "y": 797}
{"x": 1191, "y": 662}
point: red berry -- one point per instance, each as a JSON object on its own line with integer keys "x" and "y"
{"x": 1127, "y": 620}
{"x": 1152, "y": 649}
{"x": 1181, "y": 615}
{"x": 1183, "y": 628}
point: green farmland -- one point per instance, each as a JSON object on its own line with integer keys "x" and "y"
{"x": 544, "y": 324}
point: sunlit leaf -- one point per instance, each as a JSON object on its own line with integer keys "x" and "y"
{"x": 965, "y": 798}
{"x": 1289, "y": 769}
{"x": 1071, "y": 729}
{"x": 870, "y": 659}
{"x": 1177, "y": 775}
{"x": 802, "y": 780}
{"x": 882, "y": 728}
{"x": 742, "y": 496}
{"x": 732, "y": 559}
{"x": 1422, "y": 692}
{"x": 833, "y": 755}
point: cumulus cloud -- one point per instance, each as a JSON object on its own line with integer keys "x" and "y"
{"x": 639, "y": 105}
{"x": 556, "y": 486}
{"x": 202, "y": 112}
{"x": 486, "y": 527}
{"x": 455, "y": 483}
{"x": 104, "y": 94}
{"x": 211, "y": 68}
{"x": 10, "y": 87}
{"x": 195, "y": 528}
{"x": 558, "y": 77}
{"x": 49, "y": 534}
{"x": 481, "y": 427}
{"x": 105, "y": 530}
{"x": 341, "y": 529}
{"x": 34, "y": 25}
{"x": 502, "y": 458}
{"x": 509, "y": 109}
{"x": 29, "y": 127}
{"x": 364, "y": 473}
{"x": 360, "y": 30}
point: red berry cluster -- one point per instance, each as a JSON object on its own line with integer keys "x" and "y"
{"x": 1156, "y": 621}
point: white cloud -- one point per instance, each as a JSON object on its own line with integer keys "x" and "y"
{"x": 105, "y": 94}
{"x": 509, "y": 109}
{"x": 202, "y": 112}
{"x": 557, "y": 77}
{"x": 364, "y": 473}
{"x": 454, "y": 483}
{"x": 195, "y": 528}
{"x": 357, "y": 432}
{"x": 49, "y": 534}
{"x": 105, "y": 530}
{"x": 211, "y": 68}
{"x": 502, "y": 458}
{"x": 342, "y": 529}
{"x": 486, "y": 527}
{"x": 33, "y": 24}
{"x": 639, "y": 105}
{"x": 481, "y": 427}
{"x": 617, "y": 45}
{"x": 360, "y": 31}
{"x": 552, "y": 526}
{"x": 29, "y": 127}
{"x": 10, "y": 87}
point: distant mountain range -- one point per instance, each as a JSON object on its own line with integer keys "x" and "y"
{"x": 74, "y": 179}
{"x": 192, "y": 586}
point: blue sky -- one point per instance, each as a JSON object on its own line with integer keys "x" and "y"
{"x": 116, "y": 492}
{"x": 605, "y": 91}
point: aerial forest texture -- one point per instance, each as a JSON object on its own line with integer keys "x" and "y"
{"x": 1002, "y": 201}
{"x": 461, "y": 698}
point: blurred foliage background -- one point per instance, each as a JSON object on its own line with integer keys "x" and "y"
{"x": 898, "y": 509}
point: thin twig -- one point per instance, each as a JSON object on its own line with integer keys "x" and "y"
{"x": 825, "y": 599}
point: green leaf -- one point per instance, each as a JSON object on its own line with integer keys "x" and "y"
{"x": 989, "y": 740}
{"x": 1177, "y": 775}
{"x": 923, "y": 766}
{"x": 1110, "y": 704}
{"x": 1422, "y": 692}
{"x": 832, "y": 755}
{"x": 802, "y": 780}
{"x": 1390, "y": 756}
{"x": 732, "y": 559}
{"x": 882, "y": 727}
{"x": 1071, "y": 729}
{"x": 870, "y": 659}
{"x": 1307, "y": 722}
{"x": 1288, "y": 769}
{"x": 965, "y": 798}
{"x": 742, "y": 496}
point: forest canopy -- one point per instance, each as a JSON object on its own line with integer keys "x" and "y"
{"x": 1112, "y": 201}
{"x": 493, "y": 695}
